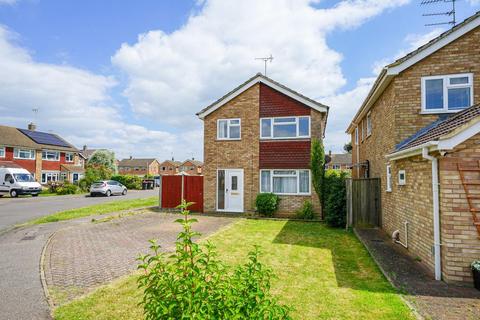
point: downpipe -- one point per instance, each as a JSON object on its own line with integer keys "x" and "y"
{"x": 436, "y": 214}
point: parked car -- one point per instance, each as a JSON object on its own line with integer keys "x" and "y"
{"x": 107, "y": 188}
{"x": 18, "y": 181}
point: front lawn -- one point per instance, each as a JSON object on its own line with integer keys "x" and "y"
{"x": 323, "y": 273}
{"x": 97, "y": 209}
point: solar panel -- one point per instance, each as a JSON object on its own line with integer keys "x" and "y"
{"x": 44, "y": 138}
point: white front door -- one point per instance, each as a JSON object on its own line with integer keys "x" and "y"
{"x": 230, "y": 190}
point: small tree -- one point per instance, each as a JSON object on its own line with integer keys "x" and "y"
{"x": 104, "y": 158}
{"x": 347, "y": 147}
{"x": 317, "y": 166}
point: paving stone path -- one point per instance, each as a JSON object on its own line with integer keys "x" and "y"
{"x": 82, "y": 257}
{"x": 432, "y": 299}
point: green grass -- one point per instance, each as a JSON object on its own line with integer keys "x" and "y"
{"x": 323, "y": 273}
{"x": 96, "y": 210}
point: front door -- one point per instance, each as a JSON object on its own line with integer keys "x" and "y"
{"x": 230, "y": 190}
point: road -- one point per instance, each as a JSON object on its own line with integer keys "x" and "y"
{"x": 18, "y": 210}
{"x": 21, "y": 291}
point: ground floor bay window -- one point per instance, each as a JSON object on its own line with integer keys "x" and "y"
{"x": 50, "y": 176}
{"x": 286, "y": 182}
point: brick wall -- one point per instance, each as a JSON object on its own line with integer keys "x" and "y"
{"x": 459, "y": 236}
{"x": 235, "y": 154}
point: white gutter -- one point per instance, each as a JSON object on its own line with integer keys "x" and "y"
{"x": 413, "y": 151}
{"x": 436, "y": 214}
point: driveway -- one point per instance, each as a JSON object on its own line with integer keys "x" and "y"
{"x": 18, "y": 210}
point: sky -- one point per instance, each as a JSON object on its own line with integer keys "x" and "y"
{"x": 130, "y": 75}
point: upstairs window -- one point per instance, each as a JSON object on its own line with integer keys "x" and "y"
{"x": 356, "y": 135}
{"x": 228, "y": 129}
{"x": 69, "y": 157}
{"x": 23, "y": 154}
{"x": 369, "y": 124}
{"x": 448, "y": 93}
{"x": 2, "y": 152}
{"x": 50, "y": 155}
{"x": 285, "y": 128}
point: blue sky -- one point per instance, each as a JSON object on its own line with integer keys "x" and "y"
{"x": 129, "y": 75}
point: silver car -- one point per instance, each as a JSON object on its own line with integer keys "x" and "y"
{"x": 107, "y": 188}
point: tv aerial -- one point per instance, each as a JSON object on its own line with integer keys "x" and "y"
{"x": 450, "y": 13}
{"x": 265, "y": 60}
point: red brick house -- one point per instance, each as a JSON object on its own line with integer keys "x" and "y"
{"x": 338, "y": 161}
{"x": 169, "y": 167}
{"x": 139, "y": 167}
{"x": 191, "y": 167}
{"x": 418, "y": 130}
{"x": 46, "y": 156}
{"x": 257, "y": 138}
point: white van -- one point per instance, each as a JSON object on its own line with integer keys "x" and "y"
{"x": 17, "y": 181}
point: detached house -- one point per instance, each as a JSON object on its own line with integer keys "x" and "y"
{"x": 257, "y": 138}
{"x": 169, "y": 167}
{"x": 418, "y": 130}
{"x": 46, "y": 156}
{"x": 191, "y": 167}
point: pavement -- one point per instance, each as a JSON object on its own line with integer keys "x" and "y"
{"x": 81, "y": 257}
{"x": 430, "y": 298}
{"x": 21, "y": 291}
{"x": 18, "y": 210}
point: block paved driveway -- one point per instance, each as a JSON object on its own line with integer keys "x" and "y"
{"x": 83, "y": 256}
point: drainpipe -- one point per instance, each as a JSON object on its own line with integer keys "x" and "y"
{"x": 436, "y": 213}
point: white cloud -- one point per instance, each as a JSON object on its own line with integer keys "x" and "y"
{"x": 74, "y": 103}
{"x": 474, "y": 2}
{"x": 171, "y": 76}
{"x": 8, "y": 2}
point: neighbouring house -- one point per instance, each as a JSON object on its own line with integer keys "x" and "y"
{"x": 47, "y": 156}
{"x": 139, "y": 167}
{"x": 257, "y": 138}
{"x": 169, "y": 167}
{"x": 86, "y": 154}
{"x": 338, "y": 161}
{"x": 191, "y": 167}
{"x": 418, "y": 130}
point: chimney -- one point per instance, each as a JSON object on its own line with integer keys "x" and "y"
{"x": 32, "y": 126}
{"x": 330, "y": 153}
{"x": 131, "y": 157}
{"x": 84, "y": 147}
{"x": 193, "y": 158}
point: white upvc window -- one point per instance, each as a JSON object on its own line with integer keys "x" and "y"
{"x": 2, "y": 152}
{"x": 356, "y": 135}
{"x": 285, "y": 127}
{"x": 69, "y": 157}
{"x": 389, "y": 178}
{"x": 447, "y": 93}
{"x": 402, "y": 177}
{"x": 369, "y": 124}
{"x": 19, "y": 153}
{"x": 229, "y": 129}
{"x": 363, "y": 130}
{"x": 285, "y": 181}
{"x": 50, "y": 176}
{"x": 49, "y": 155}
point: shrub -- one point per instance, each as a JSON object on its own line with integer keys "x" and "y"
{"x": 306, "y": 211}
{"x": 192, "y": 283}
{"x": 94, "y": 172}
{"x": 335, "y": 198}
{"x": 129, "y": 181}
{"x": 267, "y": 203}
{"x": 67, "y": 188}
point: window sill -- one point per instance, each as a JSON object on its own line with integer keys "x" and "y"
{"x": 425, "y": 112}
{"x": 24, "y": 158}
{"x": 228, "y": 139}
{"x": 50, "y": 160}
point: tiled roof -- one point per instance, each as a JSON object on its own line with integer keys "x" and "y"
{"x": 439, "y": 128}
{"x": 135, "y": 162}
{"x": 341, "y": 158}
{"x": 13, "y": 137}
{"x": 72, "y": 168}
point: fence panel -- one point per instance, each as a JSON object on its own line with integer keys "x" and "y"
{"x": 363, "y": 202}
{"x": 173, "y": 189}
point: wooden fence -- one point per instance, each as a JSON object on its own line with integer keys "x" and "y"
{"x": 363, "y": 202}
{"x": 174, "y": 188}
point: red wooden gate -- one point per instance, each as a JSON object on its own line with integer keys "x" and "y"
{"x": 192, "y": 191}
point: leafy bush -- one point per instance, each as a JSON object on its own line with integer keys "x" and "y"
{"x": 267, "y": 203}
{"x": 306, "y": 211}
{"x": 476, "y": 265}
{"x": 129, "y": 181}
{"x": 192, "y": 283}
{"x": 335, "y": 198}
{"x": 67, "y": 188}
{"x": 94, "y": 172}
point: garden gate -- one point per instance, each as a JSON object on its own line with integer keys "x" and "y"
{"x": 175, "y": 188}
{"x": 363, "y": 202}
